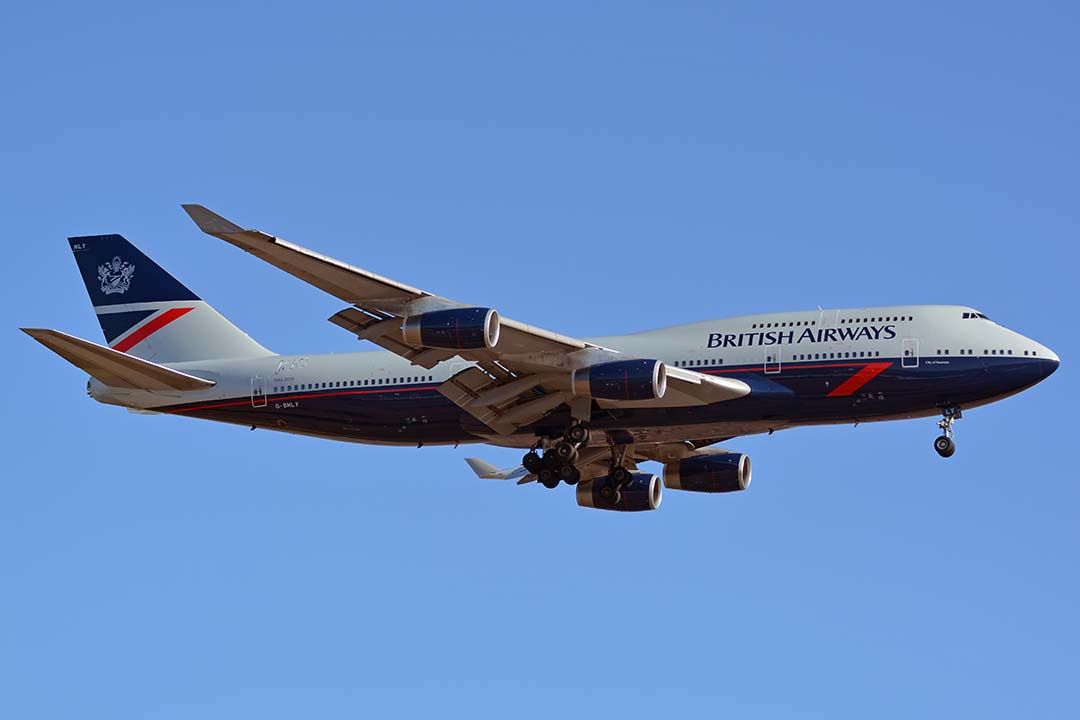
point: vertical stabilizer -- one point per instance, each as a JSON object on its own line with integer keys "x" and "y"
{"x": 146, "y": 312}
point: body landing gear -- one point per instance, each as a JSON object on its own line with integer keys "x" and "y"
{"x": 944, "y": 444}
{"x": 557, "y": 463}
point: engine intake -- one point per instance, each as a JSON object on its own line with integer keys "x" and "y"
{"x": 622, "y": 380}
{"x": 710, "y": 472}
{"x": 643, "y": 492}
{"x": 455, "y": 329}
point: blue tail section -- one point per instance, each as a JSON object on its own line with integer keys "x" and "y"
{"x": 146, "y": 312}
{"x": 118, "y": 273}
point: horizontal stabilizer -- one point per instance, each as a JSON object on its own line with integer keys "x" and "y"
{"x": 486, "y": 471}
{"x": 114, "y": 368}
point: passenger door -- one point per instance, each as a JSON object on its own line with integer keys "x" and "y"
{"x": 258, "y": 392}
{"x": 909, "y": 352}
{"x": 772, "y": 359}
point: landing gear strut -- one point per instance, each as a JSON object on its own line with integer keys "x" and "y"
{"x": 617, "y": 478}
{"x": 944, "y": 444}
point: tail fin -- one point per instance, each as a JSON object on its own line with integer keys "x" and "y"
{"x": 146, "y": 312}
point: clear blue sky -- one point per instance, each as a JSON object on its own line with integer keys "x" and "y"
{"x": 593, "y": 170}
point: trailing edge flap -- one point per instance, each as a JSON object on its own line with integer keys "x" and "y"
{"x": 114, "y": 368}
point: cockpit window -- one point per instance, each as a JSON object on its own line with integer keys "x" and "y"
{"x": 973, "y": 315}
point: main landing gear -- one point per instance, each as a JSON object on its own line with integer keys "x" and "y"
{"x": 557, "y": 463}
{"x": 611, "y": 485}
{"x": 944, "y": 443}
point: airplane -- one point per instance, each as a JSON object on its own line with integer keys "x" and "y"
{"x": 586, "y": 411}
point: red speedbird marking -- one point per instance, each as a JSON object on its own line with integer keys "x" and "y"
{"x": 859, "y": 379}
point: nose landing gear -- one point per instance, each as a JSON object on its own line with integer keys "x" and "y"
{"x": 944, "y": 444}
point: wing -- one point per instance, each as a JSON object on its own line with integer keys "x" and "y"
{"x": 521, "y": 372}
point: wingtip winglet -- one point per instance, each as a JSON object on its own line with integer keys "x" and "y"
{"x": 208, "y": 221}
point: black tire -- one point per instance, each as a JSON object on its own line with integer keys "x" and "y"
{"x": 569, "y": 474}
{"x": 577, "y": 434}
{"x": 565, "y": 452}
{"x": 944, "y": 446}
{"x": 620, "y": 476}
{"x": 551, "y": 460}
{"x": 548, "y": 478}
{"x": 532, "y": 462}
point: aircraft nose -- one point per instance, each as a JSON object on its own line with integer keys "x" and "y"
{"x": 1055, "y": 361}
{"x": 1047, "y": 361}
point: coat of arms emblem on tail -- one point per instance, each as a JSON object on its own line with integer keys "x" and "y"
{"x": 115, "y": 276}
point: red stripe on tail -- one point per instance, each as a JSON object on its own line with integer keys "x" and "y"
{"x": 150, "y": 328}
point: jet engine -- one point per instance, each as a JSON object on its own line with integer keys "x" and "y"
{"x": 707, "y": 471}
{"x": 455, "y": 329}
{"x": 643, "y": 492}
{"x": 622, "y": 380}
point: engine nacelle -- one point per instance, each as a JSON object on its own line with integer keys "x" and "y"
{"x": 711, "y": 472}
{"x": 622, "y": 380}
{"x": 455, "y": 329}
{"x": 643, "y": 492}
